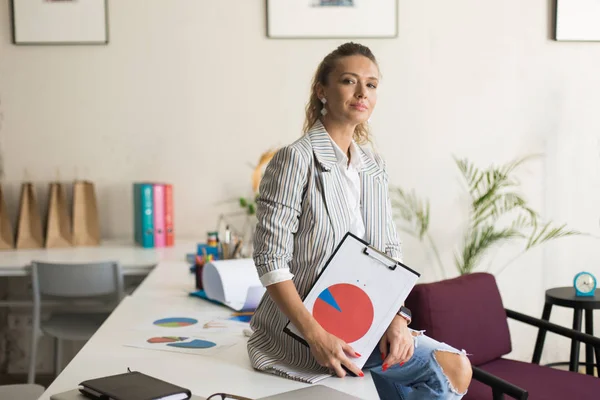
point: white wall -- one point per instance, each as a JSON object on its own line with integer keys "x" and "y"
{"x": 192, "y": 91}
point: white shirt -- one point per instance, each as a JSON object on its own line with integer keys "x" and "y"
{"x": 351, "y": 186}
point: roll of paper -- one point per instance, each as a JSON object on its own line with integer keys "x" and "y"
{"x": 234, "y": 283}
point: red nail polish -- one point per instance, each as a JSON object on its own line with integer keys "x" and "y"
{"x": 357, "y": 355}
{"x": 361, "y": 374}
{"x": 401, "y": 364}
{"x": 382, "y": 356}
{"x": 384, "y": 367}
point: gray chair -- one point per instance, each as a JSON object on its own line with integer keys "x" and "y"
{"x": 21, "y": 392}
{"x": 91, "y": 291}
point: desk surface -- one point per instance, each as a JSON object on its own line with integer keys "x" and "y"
{"x": 166, "y": 289}
{"x": 133, "y": 259}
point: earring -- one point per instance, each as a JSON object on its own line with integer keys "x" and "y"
{"x": 323, "y": 110}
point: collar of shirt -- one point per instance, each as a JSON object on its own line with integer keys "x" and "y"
{"x": 342, "y": 158}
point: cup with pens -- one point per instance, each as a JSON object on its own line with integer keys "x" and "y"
{"x": 214, "y": 249}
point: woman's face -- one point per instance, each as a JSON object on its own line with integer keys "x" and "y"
{"x": 351, "y": 90}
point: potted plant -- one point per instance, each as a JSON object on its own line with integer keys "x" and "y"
{"x": 498, "y": 213}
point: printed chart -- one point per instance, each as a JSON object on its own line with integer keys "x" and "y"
{"x": 176, "y": 322}
{"x": 344, "y": 310}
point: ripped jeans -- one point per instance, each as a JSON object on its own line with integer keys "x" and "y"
{"x": 420, "y": 378}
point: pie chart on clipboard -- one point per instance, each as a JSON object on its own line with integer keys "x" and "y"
{"x": 344, "y": 310}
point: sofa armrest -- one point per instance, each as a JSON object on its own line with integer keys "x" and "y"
{"x": 560, "y": 330}
{"x": 499, "y": 386}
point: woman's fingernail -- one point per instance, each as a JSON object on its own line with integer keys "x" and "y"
{"x": 361, "y": 374}
{"x": 357, "y": 355}
{"x": 402, "y": 363}
{"x": 382, "y": 356}
{"x": 384, "y": 367}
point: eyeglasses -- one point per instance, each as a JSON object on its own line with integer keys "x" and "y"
{"x": 225, "y": 396}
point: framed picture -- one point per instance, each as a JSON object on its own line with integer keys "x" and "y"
{"x": 577, "y": 20}
{"x": 287, "y": 19}
{"x": 40, "y": 22}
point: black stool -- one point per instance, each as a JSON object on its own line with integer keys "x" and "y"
{"x": 565, "y": 297}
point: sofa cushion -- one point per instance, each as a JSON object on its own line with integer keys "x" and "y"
{"x": 465, "y": 312}
{"x": 542, "y": 383}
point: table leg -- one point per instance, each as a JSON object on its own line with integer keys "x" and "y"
{"x": 589, "y": 350}
{"x": 598, "y": 361}
{"x": 541, "y": 337}
{"x": 574, "y": 362}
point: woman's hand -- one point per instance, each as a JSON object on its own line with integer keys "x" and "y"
{"x": 330, "y": 351}
{"x": 399, "y": 341}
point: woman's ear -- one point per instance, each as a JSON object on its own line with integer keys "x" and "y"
{"x": 320, "y": 90}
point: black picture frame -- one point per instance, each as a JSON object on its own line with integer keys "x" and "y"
{"x": 17, "y": 42}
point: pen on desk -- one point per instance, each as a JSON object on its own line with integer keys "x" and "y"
{"x": 226, "y": 244}
{"x": 237, "y": 248}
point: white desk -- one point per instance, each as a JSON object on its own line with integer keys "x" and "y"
{"x": 135, "y": 260}
{"x": 166, "y": 288}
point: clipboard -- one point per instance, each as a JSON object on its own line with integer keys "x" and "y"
{"x": 357, "y": 295}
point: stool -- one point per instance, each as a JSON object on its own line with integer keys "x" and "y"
{"x": 565, "y": 297}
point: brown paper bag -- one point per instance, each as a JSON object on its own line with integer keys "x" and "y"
{"x": 58, "y": 228}
{"x": 29, "y": 225}
{"x": 7, "y": 237}
{"x": 86, "y": 225}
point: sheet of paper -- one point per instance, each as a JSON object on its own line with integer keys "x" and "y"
{"x": 234, "y": 283}
{"x": 182, "y": 324}
{"x": 358, "y": 295}
{"x": 205, "y": 345}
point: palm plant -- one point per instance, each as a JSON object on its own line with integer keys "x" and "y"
{"x": 498, "y": 213}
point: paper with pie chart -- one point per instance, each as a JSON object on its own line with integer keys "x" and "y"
{"x": 344, "y": 310}
{"x": 202, "y": 346}
{"x": 357, "y": 295}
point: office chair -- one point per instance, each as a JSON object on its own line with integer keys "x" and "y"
{"x": 99, "y": 285}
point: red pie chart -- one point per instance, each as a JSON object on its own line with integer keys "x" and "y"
{"x": 344, "y": 310}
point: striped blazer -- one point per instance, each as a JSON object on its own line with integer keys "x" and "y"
{"x": 302, "y": 216}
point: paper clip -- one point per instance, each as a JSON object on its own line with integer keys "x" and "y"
{"x": 382, "y": 258}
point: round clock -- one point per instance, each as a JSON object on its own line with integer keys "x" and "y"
{"x": 585, "y": 284}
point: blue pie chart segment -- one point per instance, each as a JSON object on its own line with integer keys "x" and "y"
{"x": 194, "y": 344}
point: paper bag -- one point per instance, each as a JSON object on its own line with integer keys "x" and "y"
{"x": 7, "y": 238}
{"x": 86, "y": 224}
{"x": 58, "y": 228}
{"x": 29, "y": 225}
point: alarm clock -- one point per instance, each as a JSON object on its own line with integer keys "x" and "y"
{"x": 584, "y": 284}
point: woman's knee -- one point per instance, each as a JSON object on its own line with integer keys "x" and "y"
{"x": 457, "y": 369}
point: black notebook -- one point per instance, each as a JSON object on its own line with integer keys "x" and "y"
{"x": 132, "y": 386}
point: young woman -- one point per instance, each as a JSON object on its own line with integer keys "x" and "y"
{"x": 314, "y": 191}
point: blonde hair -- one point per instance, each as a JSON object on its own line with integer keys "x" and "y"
{"x": 314, "y": 105}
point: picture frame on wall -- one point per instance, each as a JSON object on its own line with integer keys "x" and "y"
{"x": 305, "y": 19}
{"x": 59, "y": 22}
{"x": 577, "y": 20}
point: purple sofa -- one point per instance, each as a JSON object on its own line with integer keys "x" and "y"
{"x": 467, "y": 313}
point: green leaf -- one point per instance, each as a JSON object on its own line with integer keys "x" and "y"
{"x": 547, "y": 232}
{"x": 477, "y": 242}
{"x": 412, "y": 210}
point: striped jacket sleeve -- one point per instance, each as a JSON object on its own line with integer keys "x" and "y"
{"x": 278, "y": 211}
{"x": 393, "y": 246}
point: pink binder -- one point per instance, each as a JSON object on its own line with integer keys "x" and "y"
{"x": 159, "y": 215}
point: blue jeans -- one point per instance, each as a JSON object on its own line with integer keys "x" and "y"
{"x": 420, "y": 378}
